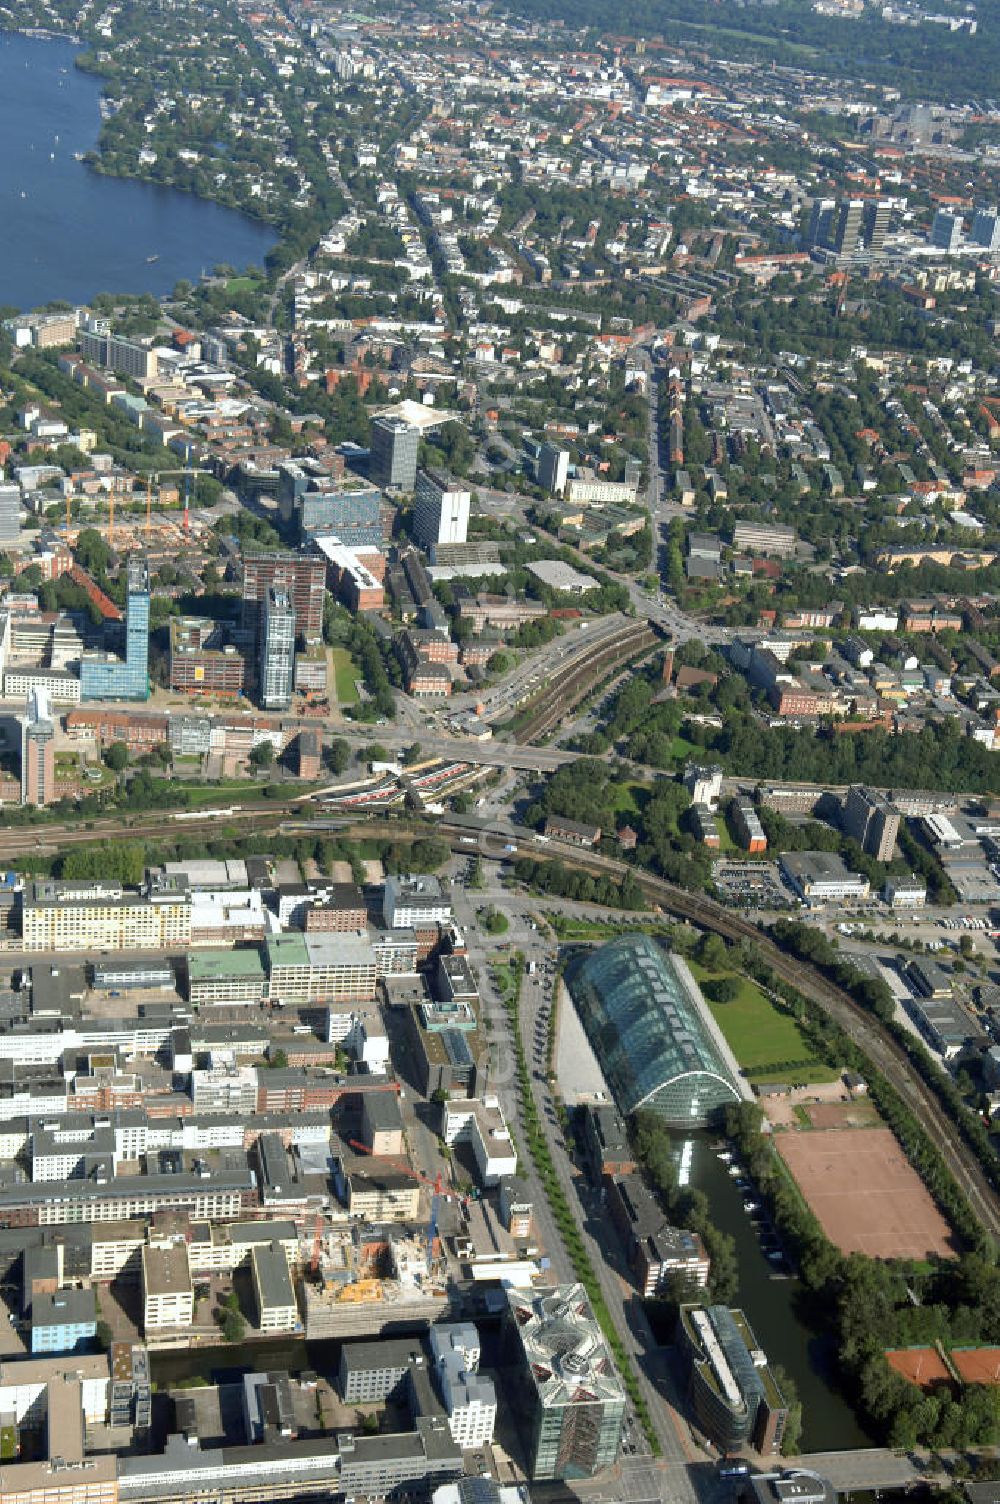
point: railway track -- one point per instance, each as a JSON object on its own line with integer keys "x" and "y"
{"x": 860, "y": 1026}
{"x": 49, "y": 839}
{"x": 576, "y": 679}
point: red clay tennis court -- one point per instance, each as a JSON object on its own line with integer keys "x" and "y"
{"x": 977, "y": 1365}
{"x": 921, "y": 1365}
{"x": 865, "y": 1193}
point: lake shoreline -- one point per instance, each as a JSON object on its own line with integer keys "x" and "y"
{"x": 76, "y": 229}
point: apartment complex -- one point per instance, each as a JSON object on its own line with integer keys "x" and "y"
{"x": 747, "y": 826}
{"x": 95, "y": 916}
{"x": 871, "y": 819}
{"x": 116, "y": 353}
{"x": 301, "y": 576}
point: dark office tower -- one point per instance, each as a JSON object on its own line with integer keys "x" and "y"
{"x": 277, "y": 651}
{"x": 876, "y": 225}
{"x": 394, "y": 447}
{"x": 821, "y": 221}
{"x": 847, "y": 236}
{"x": 986, "y": 229}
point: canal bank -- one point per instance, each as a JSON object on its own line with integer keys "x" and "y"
{"x": 771, "y": 1302}
{"x": 226, "y": 1364}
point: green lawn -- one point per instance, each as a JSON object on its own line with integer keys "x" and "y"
{"x": 242, "y": 284}
{"x": 766, "y": 1041}
{"x": 629, "y": 798}
{"x": 682, "y": 749}
{"x": 345, "y": 673}
{"x": 8, "y": 1443}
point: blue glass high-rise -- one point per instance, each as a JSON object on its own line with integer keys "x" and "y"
{"x": 103, "y": 677}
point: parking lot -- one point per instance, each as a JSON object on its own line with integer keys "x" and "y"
{"x": 756, "y": 885}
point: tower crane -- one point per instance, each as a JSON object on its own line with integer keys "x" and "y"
{"x": 403, "y": 1166}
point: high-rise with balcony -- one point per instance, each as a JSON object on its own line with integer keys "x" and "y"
{"x": 10, "y": 514}
{"x": 106, "y": 677}
{"x": 38, "y": 757}
{"x": 277, "y": 651}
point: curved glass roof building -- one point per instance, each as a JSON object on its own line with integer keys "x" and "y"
{"x": 647, "y": 1025}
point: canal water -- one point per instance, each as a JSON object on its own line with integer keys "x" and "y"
{"x": 771, "y": 1306}
{"x": 69, "y": 232}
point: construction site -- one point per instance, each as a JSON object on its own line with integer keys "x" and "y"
{"x": 372, "y": 1285}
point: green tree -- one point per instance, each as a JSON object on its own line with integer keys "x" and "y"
{"x": 262, "y": 755}
{"x": 114, "y": 861}
{"x": 92, "y": 551}
{"x": 234, "y": 1328}
{"x": 116, "y": 757}
{"x": 338, "y": 755}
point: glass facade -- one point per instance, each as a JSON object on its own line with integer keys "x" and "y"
{"x": 104, "y": 678}
{"x": 644, "y": 1026}
{"x": 277, "y": 664}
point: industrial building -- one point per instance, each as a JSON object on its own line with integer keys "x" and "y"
{"x": 822, "y": 877}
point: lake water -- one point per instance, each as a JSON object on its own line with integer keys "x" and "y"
{"x": 67, "y": 232}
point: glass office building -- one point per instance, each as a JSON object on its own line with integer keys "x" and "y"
{"x": 106, "y": 677}
{"x": 277, "y": 656}
{"x": 567, "y": 1397}
{"x": 645, "y": 1025}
